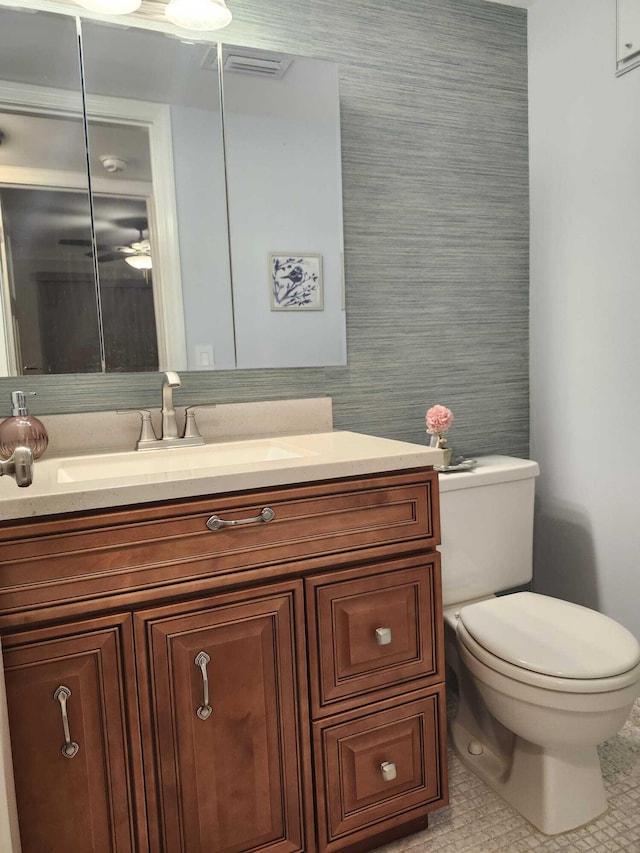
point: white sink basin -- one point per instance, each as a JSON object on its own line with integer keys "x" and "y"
{"x": 189, "y": 461}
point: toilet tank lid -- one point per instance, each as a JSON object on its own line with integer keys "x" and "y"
{"x": 490, "y": 469}
{"x": 550, "y": 636}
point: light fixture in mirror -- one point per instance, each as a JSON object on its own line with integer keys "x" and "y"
{"x": 139, "y": 262}
{"x": 198, "y": 14}
{"x": 110, "y": 7}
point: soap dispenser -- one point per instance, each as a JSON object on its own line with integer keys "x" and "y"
{"x": 22, "y": 430}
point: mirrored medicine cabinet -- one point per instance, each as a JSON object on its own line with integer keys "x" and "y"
{"x": 164, "y": 204}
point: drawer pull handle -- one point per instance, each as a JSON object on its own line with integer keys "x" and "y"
{"x": 70, "y": 747}
{"x": 215, "y": 522}
{"x": 388, "y": 770}
{"x": 204, "y": 711}
{"x": 383, "y": 636}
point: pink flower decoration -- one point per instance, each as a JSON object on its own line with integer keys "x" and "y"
{"x": 439, "y": 419}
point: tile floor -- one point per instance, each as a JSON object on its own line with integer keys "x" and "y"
{"x": 478, "y": 821}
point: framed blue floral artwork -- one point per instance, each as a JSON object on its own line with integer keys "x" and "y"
{"x": 295, "y": 281}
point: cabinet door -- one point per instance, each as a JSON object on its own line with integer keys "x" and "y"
{"x": 71, "y": 744}
{"x": 222, "y": 715}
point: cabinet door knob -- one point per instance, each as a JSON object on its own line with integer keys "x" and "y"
{"x": 388, "y": 771}
{"x": 70, "y": 747}
{"x": 204, "y": 711}
{"x": 383, "y": 636}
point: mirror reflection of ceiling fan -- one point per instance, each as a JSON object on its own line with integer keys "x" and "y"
{"x": 137, "y": 253}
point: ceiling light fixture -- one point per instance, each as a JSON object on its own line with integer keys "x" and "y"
{"x": 139, "y": 262}
{"x": 110, "y": 7}
{"x": 198, "y": 14}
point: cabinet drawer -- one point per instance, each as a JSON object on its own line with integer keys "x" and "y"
{"x": 96, "y": 554}
{"x": 379, "y": 769}
{"x": 374, "y": 628}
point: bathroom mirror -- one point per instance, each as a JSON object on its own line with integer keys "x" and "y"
{"x": 167, "y": 277}
{"x": 44, "y": 198}
{"x": 282, "y": 135}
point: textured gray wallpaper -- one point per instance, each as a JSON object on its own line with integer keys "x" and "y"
{"x": 434, "y": 137}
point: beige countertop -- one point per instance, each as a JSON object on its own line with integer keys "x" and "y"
{"x": 101, "y": 480}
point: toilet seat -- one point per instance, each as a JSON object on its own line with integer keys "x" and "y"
{"x": 546, "y": 682}
{"x": 550, "y": 643}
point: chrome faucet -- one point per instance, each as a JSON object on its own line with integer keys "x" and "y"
{"x": 19, "y": 465}
{"x": 169, "y": 436}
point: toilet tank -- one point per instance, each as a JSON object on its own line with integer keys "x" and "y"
{"x": 486, "y": 519}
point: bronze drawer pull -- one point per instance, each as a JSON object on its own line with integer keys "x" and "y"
{"x": 70, "y": 747}
{"x": 204, "y": 711}
{"x": 215, "y": 522}
{"x": 388, "y": 770}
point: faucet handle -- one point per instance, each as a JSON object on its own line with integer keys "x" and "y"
{"x": 190, "y": 426}
{"x": 19, "y": 465}
{"x": 147, "y": 432}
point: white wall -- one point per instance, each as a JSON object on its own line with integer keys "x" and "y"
{"x": 585, "y": 307}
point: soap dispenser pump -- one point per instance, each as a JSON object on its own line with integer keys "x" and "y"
{"x": 22, "y": 430}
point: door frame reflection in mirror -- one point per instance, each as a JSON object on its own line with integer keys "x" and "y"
{"x": 160, "y": 196}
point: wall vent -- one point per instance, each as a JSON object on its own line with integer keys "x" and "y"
{"x": 265, "y": 67}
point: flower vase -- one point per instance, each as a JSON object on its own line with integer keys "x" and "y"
{"x": 438, "y": 441}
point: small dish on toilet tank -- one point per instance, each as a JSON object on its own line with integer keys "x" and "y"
{"x": 458, "y": 465}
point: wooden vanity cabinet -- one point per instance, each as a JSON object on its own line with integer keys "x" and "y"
{"x": 275, "y": 687}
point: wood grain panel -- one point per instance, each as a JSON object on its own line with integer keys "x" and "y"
{"x": 86, "y": 801}
{"x": 345, "y": 609}
{"x": 230, "y": 783}
{"x": 98, "y": 554}
{"x": 352, "y": 794}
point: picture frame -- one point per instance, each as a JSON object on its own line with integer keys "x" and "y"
{"x": 295, "y": 281}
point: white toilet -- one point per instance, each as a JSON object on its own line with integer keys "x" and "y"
{"x": 541, "y": 681}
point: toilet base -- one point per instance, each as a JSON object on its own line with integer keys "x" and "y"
{"x": 556, "y": 790}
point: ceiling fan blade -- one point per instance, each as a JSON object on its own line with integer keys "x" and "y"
{"x": 138, "y": 223}
{"x": 70, "y": 242}
{"x": 109, "y": 256}
{"x": 85, "y": 244}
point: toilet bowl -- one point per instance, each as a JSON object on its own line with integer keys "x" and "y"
{"x": 541, "y": 682}
{"x": 538, "y": 747}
